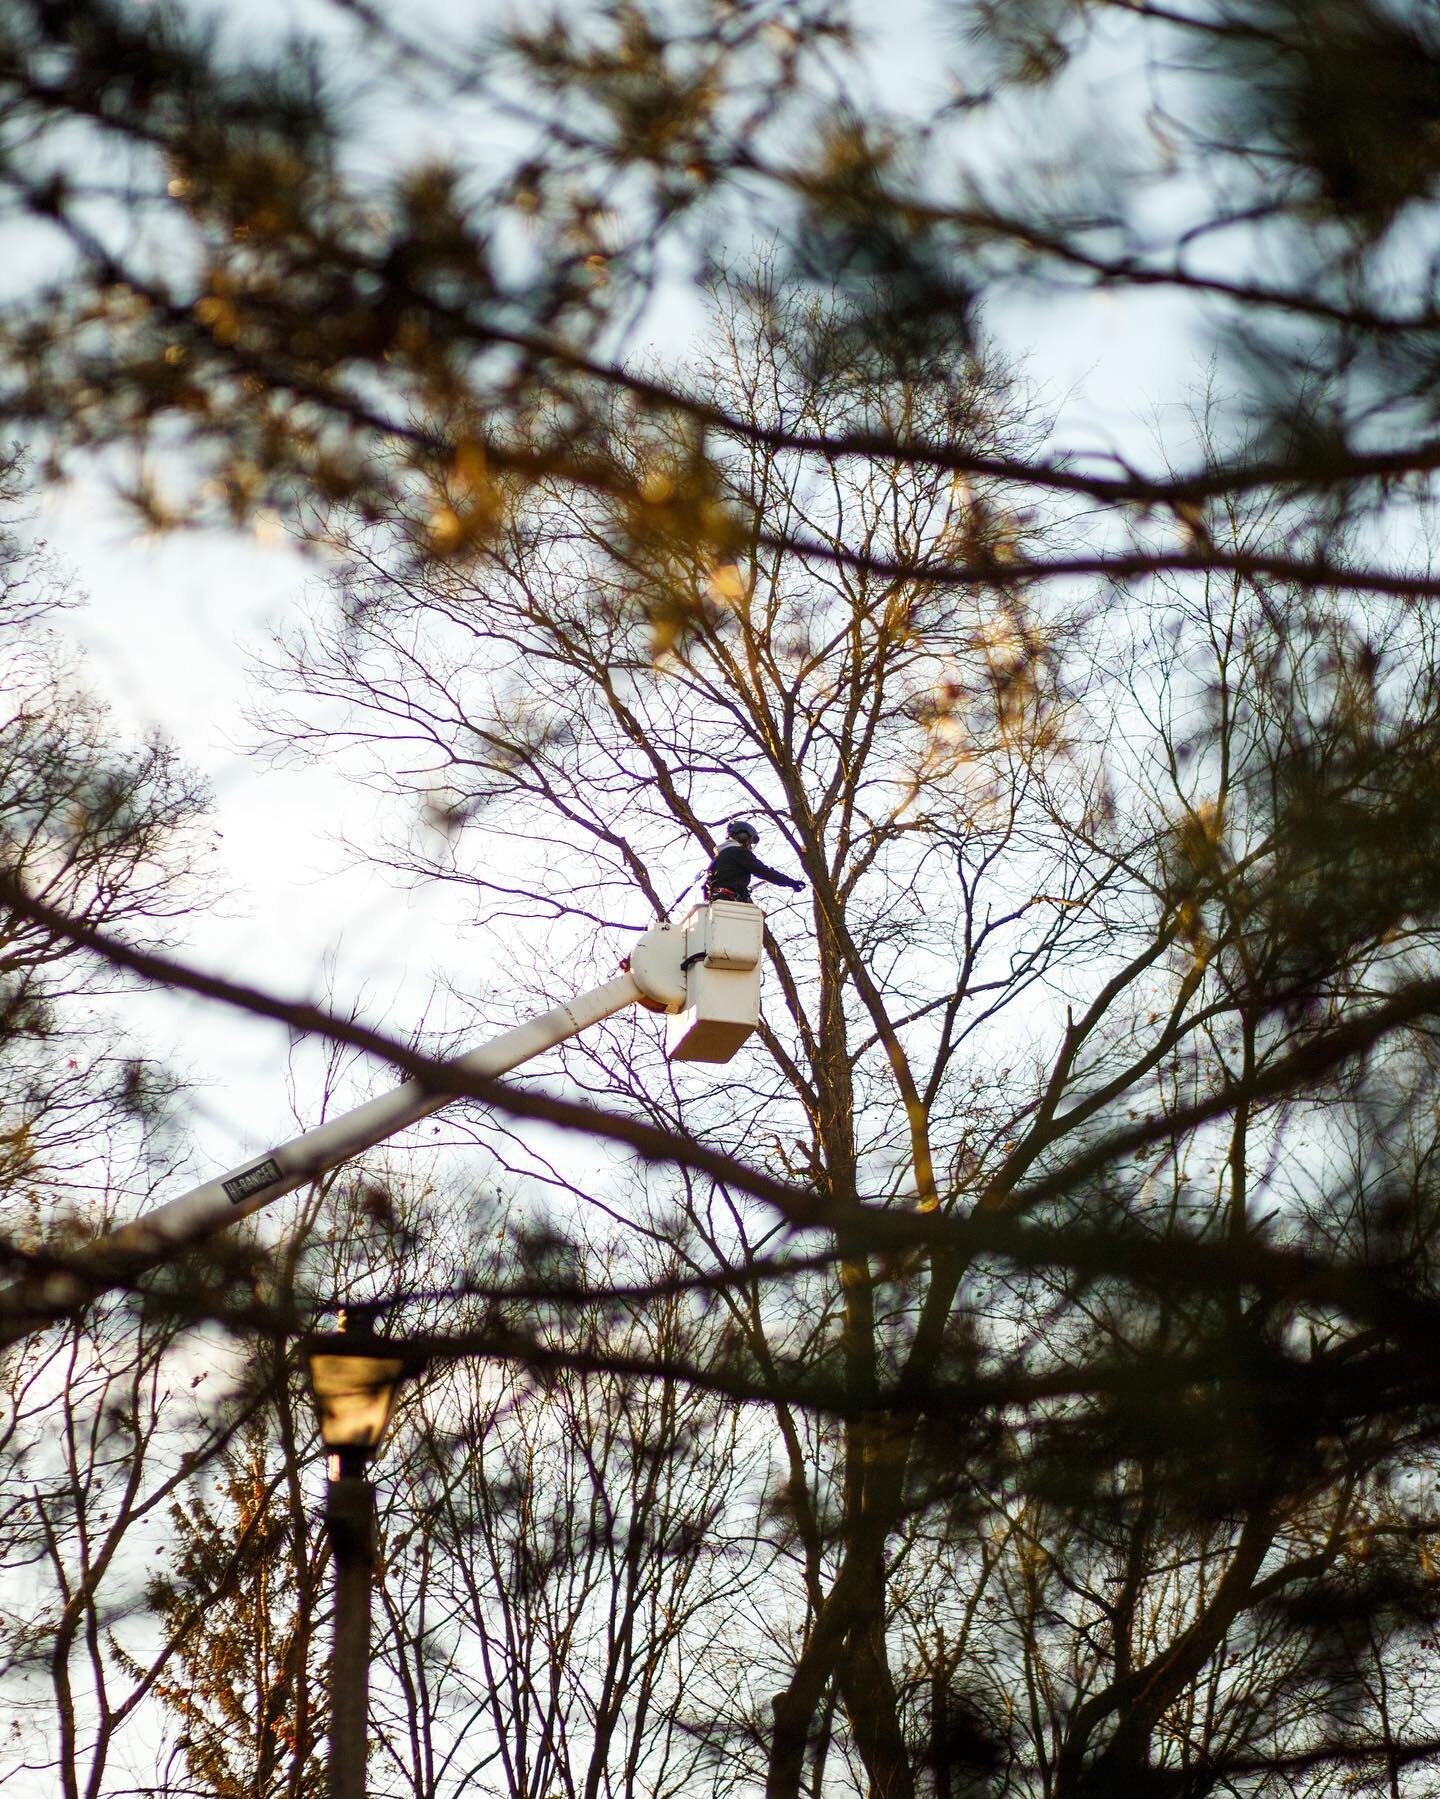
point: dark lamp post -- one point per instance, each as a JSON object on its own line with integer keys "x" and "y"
{"x": 354, "y": 1376}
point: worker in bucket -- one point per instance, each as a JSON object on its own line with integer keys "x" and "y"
{"x": 736, "y": 865}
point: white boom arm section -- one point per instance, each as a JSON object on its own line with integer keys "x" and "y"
{"x": 255, "y": 1184}
{"x": 705, "y": 973}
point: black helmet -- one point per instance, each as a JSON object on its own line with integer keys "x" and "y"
{"x": 742, "y": 831}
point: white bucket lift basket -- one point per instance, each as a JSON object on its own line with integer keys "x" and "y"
{"x": 721, "y": 969}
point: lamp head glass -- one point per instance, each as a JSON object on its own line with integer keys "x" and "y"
{"x": 354, "y": 1397}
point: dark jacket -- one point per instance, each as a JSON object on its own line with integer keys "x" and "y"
{"x": 735, "y": 867}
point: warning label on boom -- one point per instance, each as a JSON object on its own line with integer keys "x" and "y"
{"x": 241, "y": 1186}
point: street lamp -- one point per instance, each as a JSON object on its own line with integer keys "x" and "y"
{"x": 354, "y": 1376}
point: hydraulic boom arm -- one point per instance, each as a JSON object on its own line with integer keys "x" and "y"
{"x": 695, "y": 972}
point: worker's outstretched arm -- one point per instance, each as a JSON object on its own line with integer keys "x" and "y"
{"x": 761, "y": 871}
